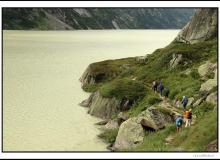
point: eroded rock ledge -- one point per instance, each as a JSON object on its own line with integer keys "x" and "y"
{"x": 201, "y": 27}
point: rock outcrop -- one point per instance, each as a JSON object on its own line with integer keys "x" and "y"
{"x": 210, "y": 83}
{"x": 131, "y": 131}
{"x": 89, "y": 78}
{"x": 212, "y": 98}
{"x": 207, "y": 68}
{"x": 155, "y": 119}
{"x": 102, "y": 107}
{"x": 130, "y": 134}
{"x": 177, "y": 58}
{"x": 201, "y": 27}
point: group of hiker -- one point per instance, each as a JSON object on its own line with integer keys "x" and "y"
{"x": 187, "y": 114}
{"x": 164, "y": 91}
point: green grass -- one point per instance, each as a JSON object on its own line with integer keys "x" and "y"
{"x": 111, "y": 68}
{"x": 142, "y": 104}
{"x": 203, "y": 108}
{"x": 109, "y": 135}
{"x": 90, "y": 87}
{"x": 155, "y": 141}
{"x": 123, "y": 89}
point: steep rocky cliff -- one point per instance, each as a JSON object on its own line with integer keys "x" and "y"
{"x": 201, "y": 27}
{"x": 94, "y": 18}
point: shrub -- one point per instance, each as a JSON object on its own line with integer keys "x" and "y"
{"x": 203, "y": 108}
{"x": 194, "y": 74}
{"x": 123, "y": 89}
{"x": 109, "y": 135}
{"x": 90, "y": 87}
{"x": 151, "y": 100}
{"x": 138, "y": 107}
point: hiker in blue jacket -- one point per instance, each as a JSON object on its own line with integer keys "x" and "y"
{"x": 184, "y": 102}
{"x": 179, "y": 122}
{"x": 161, "y": 87}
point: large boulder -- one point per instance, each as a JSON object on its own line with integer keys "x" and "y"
{"x": 130, "y": 134}
{"x": 155, "y": 118}
{"x": 205, "y": 69}
{"x": 212, "y": 98}
{"x": 103, "y": 107}
{"x": 208, "y": 85}
{"x": 201, "y": 27}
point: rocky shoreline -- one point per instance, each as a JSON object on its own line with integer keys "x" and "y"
{"x": 155, "y": 117}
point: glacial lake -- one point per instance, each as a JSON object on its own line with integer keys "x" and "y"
{"x": 41, "y": 88}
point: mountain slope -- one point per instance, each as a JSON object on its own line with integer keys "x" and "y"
{"x": 140, "y": 119}
{"x": 94, "y": 18}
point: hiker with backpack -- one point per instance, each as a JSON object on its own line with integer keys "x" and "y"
{"x": 179, "y": 122}
{"x": 188, "y": 115}
{"x": 161, "y": 87}
{"x": 154, "y": 86}
{"x": 177, "y": 103}
{"x": 166, "y": 92}
{"x": 184, "y": 102}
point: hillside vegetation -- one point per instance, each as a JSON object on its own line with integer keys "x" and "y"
{"x": 139, "y": 119}
{"x": 134, "y": 84}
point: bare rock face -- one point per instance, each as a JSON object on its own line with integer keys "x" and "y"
{"x": 212, "y": 98}
{"x": 87, "y": 102}
{"x": 130, "y": 134}
{"x": 177, "y": 58}
{"x": 131, "y": 131}
{"x": 201, "y": 27}
{"x": 208, "y": 85}
{"x": 103, "y": 107}
{"x": 206, "y": 68}
{"x": 154, "y": 119}
{"x": 87, "y": 77}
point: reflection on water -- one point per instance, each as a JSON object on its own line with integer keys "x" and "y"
{"x": 41, "y": 90}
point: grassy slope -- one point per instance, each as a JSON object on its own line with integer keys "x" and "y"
{"x": 179, "y": 83}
